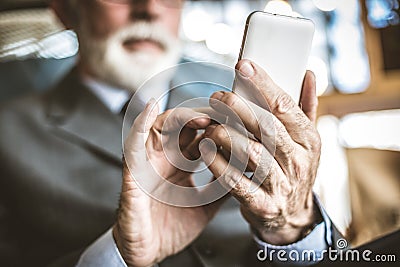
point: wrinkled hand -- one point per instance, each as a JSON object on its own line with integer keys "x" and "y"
{"x": 282, "y": 208}
{"x": 147, "y": 230}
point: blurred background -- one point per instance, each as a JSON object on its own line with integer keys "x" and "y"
{"x": 356, "y": 59}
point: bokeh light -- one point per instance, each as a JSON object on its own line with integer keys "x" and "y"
{"x": 197, "y": 24}
{"x": 221, "y": 39}
{"x": 318, "y": 66}
{"x": 279, "y": 7}
{"x": 325, "y": 5}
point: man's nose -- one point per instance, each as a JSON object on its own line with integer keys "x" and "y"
{"x": 147, "y": 10}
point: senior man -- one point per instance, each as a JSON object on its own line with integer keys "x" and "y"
{"x": 61, "y": 158}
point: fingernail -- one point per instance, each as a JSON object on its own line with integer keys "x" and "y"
{"x": 151, "y": 102}
{"x": 205, "y": 146}
{"x": 216, "y": 98}
{"x": 247, "y": 70}
{"x": 210, "y": 129}
{"x": 217, "y": 95}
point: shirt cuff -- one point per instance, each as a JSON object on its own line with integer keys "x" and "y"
{"x": 307, "y": 251}
{"x": 102, "y": 253}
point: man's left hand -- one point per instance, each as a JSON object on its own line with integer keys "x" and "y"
{"x": 281, "y": 210}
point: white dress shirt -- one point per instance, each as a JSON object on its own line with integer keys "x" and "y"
{"x": 115, "y": 98}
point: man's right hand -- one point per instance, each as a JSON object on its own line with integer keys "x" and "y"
{"x": 147, "y": 231}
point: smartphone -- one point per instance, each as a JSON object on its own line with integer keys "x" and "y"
{"x": 281, "y": 46}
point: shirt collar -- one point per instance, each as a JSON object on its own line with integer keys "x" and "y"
{"x": 114, "y": 98}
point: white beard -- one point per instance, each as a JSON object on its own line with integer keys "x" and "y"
{"x": 110, "y": 62}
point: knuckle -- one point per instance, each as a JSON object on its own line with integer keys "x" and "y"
{"x": 267, "y": 125}
{"x": 314, "y": 143}
{"x": 299, "y": 170}
{"x": 264, "y": 81}
{"x": 254, "y": 151}
{"x": 317, "y": 143}
{"x": 260, "y": 175}
{"x": 286, "y": 149}
{"x": 283, "y": 103}
{"x": 232, "y": 178}
{"x": 284, "y": 145}
{"x": 220, "y": 132}
{"x": 230, "y": 99}
{"x": 268, "y": 185}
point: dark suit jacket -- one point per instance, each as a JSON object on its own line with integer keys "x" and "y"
{"x": 60, "y": 155}
{"x": 61, "y": 170}
{"x": 19, "y": 77}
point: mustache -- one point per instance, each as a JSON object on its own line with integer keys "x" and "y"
{"x": 145, "y": 31}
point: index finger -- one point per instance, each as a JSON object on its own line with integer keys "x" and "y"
{"x": 280, "y": 103}
{"x": 175, "y": 119}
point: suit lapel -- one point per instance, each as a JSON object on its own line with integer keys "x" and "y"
{"x": 81, "y": 117}
{"x": 76, "y": 114}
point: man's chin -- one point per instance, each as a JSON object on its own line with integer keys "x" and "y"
{"x": 142, "y": 59}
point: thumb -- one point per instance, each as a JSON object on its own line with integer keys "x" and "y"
{"x": 308, "y": 99}
{"x": 136, "y": 141}
{"x": 134, "y": 154}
